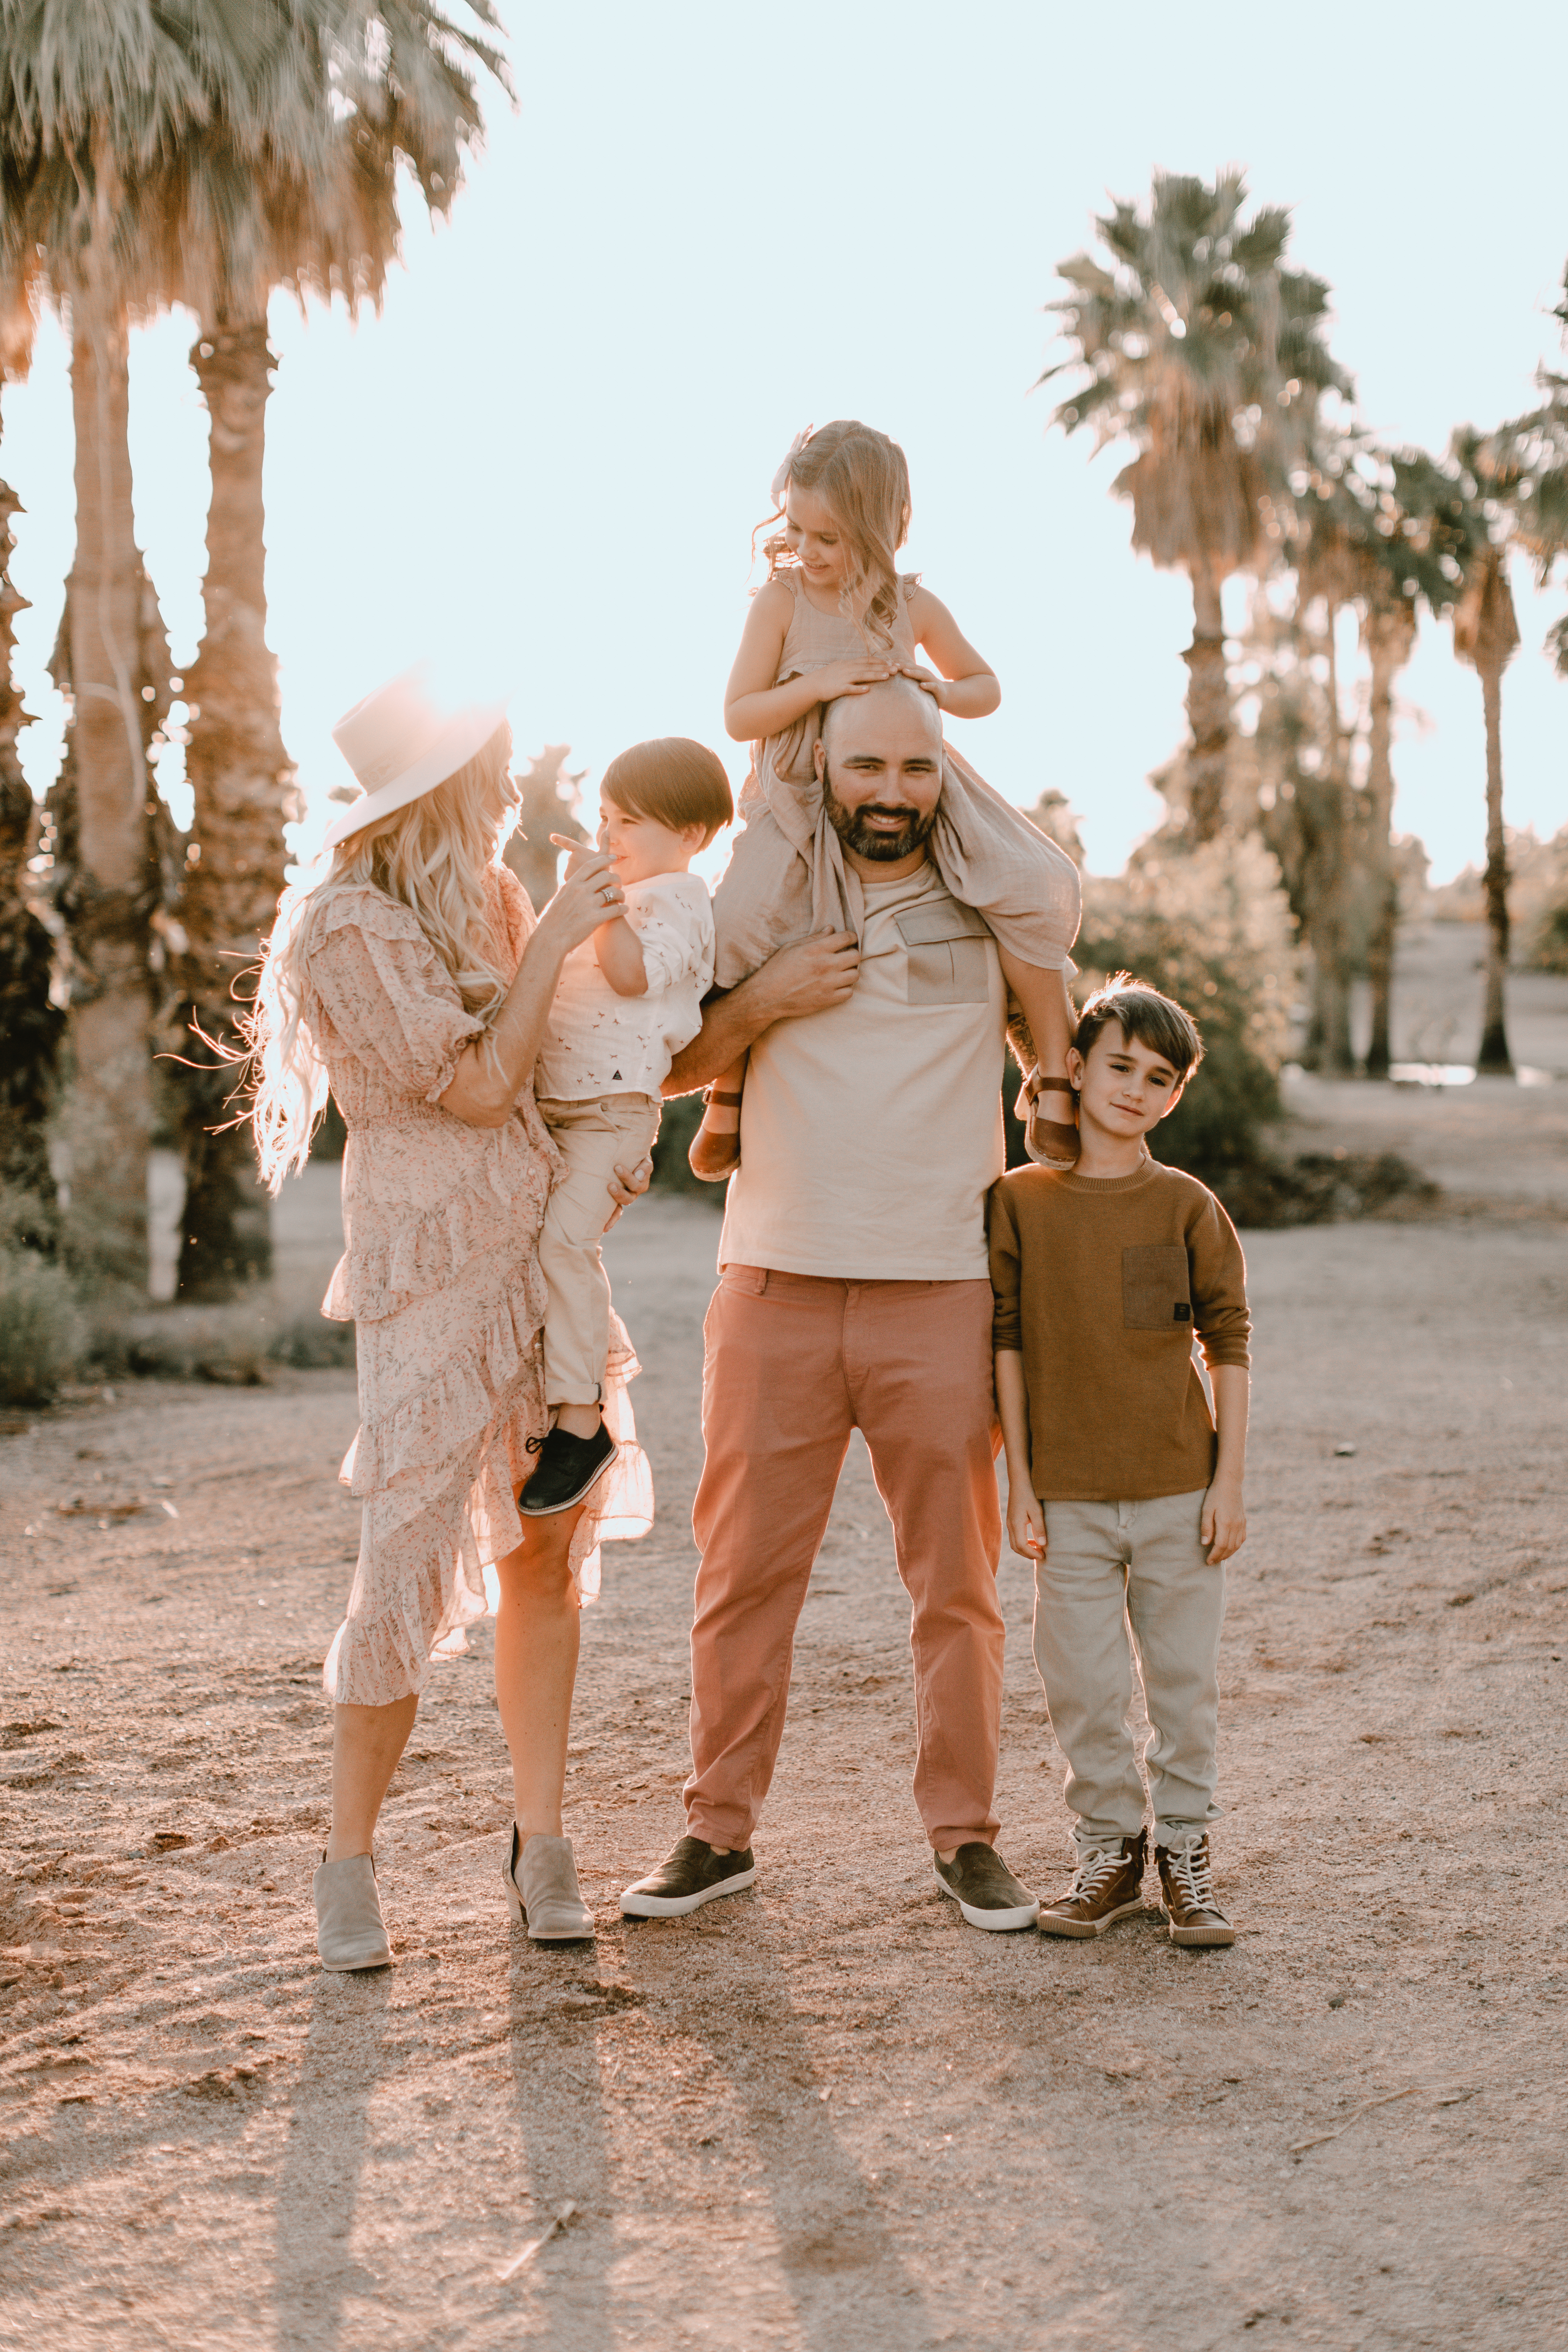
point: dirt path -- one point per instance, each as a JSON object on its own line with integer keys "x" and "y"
{"x": 825, "y": 2116}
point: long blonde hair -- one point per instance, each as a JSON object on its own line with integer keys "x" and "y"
{"x": 431, "y": 857}
{"x": 863, "y": 476}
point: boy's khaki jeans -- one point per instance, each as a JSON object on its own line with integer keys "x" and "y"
{"x": 1120, "y": 1581}
{"x": 593, "y": 1137}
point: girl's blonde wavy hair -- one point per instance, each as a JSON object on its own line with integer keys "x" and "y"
{"x": 863, "y": 476}
{"x": 431, "y": 857}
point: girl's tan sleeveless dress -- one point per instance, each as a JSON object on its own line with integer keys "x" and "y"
{"x": 786, "y": 877}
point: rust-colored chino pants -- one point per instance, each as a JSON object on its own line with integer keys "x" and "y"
{"x": 794, "y": 1363}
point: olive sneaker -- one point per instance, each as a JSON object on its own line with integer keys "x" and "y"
{"x": 984, "y": 1889}
{"x": 691, "y": 1876}
{"x": 1107, "y": 1887}
{"x": 1190, "y": 1902}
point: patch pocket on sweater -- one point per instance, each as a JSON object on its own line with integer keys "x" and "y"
{"x": 1155, "y": 1292}
{"x": 949, "y": 961}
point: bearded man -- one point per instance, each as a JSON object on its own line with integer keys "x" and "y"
{"x": 853, "y": 1292}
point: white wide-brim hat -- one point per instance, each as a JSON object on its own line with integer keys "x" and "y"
{"x": 402, "y": 742}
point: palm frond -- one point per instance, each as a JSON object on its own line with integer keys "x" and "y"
{"x": 1193, "y": 341}
{"x": 211, "y": 150}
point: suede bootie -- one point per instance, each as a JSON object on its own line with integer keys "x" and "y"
{"x": 350, "y": 1933}
{"x": 542, "y": 1890}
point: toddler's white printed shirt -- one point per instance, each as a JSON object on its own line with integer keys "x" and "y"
{"x": 601, "y": 1043}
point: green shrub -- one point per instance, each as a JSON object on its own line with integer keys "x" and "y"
{"x": 312, "y": 1343}
{"x": 671, "y": 1171}
{"x": 40, "y": 1327}
{"x": 1549, "y": 948}
{"x": 1215, "y": 1131}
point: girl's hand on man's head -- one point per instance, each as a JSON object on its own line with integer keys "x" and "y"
{"x": 856, "y": 676}
{"x": 927, "y": 680}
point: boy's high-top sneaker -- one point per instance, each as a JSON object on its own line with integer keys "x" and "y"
{"x": 1187, "y": 1887}
{"x": 1107, "y": 1885}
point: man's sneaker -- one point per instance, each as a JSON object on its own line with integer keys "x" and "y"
{"x": 984, "y": 1889}
{"x": 1188, "y": 1888}
{"x": 691, "y": 1875}
{"x": 568, "y": 1467}
{"x": 1107, "y": 1885}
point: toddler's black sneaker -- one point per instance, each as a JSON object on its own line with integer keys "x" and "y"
{"x": 568, "y": 1467}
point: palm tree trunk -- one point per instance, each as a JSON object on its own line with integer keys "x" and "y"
{"x": 1328, "y": 1034}
{"x": 1208, "y": 705}
{"x": 1389, "y": 639}
{"x": 106, "y": 1121}
{"x": 243, "y": 784}
{"x": 1494, "y": 1057}
{"x": 30, "y": 1022}
{"x": 1333, "y": 946}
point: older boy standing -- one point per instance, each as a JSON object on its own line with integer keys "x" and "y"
{"x": 1120, "y": 1487}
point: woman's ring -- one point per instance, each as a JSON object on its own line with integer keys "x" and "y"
{"x": 608, "y": 893}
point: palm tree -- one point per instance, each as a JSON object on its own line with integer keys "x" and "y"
{"x": 1309, "y": 814}
{"x": 1525, "y": 463}
{"x": 1387, "y": 532}
{"x": 197, "y": 153}
{"x": 549, "y": 789}
{"x": 30, "y": 1020}
{"x": 1423, "y": 533}
{"x": 1199, "y": 348}
{"x": 345, "y": 97}
{"x": 1486, "y": 634}
{"x": 93, "y": 98}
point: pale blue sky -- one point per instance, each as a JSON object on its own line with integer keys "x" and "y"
{"x": 710, "y": 225}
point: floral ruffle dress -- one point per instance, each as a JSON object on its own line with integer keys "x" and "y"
{"x": 440, "y": 1276}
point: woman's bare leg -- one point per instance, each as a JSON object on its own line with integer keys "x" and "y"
{"x": 537, "y": 1630}
{"x": 367, "y": 1744}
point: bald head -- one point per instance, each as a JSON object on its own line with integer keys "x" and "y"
{"x": 898, "y": 703}
{"x": 879, "y": 759}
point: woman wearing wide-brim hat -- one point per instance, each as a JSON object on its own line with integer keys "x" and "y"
{"x": 414, "y": 980}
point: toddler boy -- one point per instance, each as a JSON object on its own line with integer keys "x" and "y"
{"x": 629, "y": 998}
{"x": 1118, "y": 1486}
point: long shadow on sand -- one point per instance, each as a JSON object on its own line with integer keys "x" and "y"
{"x": 345, "y": 2058}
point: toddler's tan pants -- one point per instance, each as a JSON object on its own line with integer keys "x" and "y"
{"x": 595, "y": 1137}
{"x": 1119, "y": 1579}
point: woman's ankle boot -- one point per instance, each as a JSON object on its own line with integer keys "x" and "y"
{"x": 542, "y": 1890}
{"x": 350, "y": 1932}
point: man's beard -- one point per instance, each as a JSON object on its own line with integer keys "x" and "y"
{"x": 884, "y": 848}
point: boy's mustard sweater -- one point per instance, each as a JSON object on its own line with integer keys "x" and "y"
{"x": 1099, "y": 1284}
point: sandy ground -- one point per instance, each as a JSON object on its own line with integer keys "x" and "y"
{"x": 823, "y": 2115}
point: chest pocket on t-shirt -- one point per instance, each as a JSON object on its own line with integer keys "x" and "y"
{"x": 1155, "y": 1292}
{"x": 949, "y": 961}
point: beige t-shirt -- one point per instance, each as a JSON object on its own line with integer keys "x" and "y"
{"x": 871, "y": 1134}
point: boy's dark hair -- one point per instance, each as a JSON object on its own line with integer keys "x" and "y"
{"x": 674, "y": 780}
{"x": 1157, "y": 1021}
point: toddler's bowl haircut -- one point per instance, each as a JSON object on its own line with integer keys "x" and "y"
{"x": 674, "y": 782}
